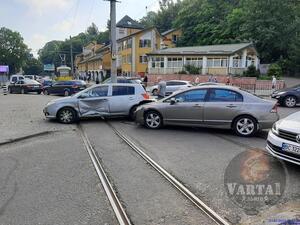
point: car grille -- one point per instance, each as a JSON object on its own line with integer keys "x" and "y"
{"x": 277, "y": 149}
{"x": 287, "y": 135}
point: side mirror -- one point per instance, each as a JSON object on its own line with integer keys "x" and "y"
{"x": 173, "y": 101}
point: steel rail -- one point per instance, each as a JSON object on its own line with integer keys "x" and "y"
{"x": 118, "y": 209}
{"x": 176, "y": 183}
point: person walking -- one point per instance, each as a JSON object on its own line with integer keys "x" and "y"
{"x": 97, "y": 79}
{"x": 162, "y": 85}
{"x": 274, "y": 82}
{"x": 228, "y": 80}
{"x": 197, "y": 80}
{"x": 210, "y": 79}
{"x": 145, "y": 80}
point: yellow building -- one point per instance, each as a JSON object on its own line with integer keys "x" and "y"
{"x": 171, "y": 37}
{"x": 132, "y": 57}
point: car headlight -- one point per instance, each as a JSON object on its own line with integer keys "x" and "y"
{"x": 275, "y": 128}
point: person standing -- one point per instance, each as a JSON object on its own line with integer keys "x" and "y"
{"x": 197, "y": 80}
{"x": 145, "y": 80}
{"x": 162, "y": 85}
{"x": 228, "y": 80}
{"x": 274, "y": 82}
{"x": 97, "y": 79}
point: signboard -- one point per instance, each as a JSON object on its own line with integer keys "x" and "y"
{"x": 49, "y": 67}
{"x": 4, "y": 69}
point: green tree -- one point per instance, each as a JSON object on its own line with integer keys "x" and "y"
{"x": 32, "y": 66}
{"x": 13, "y": 51}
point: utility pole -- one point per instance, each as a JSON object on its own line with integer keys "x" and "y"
{"x": 113, "y": 40}
{"x": 71, "y": 55}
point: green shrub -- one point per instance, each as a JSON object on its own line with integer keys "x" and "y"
{"x": 275, "y": 70}
{"x": 251, "y": 72}
{"x": 191, "y": 69}
{"x": 182, "y": 72}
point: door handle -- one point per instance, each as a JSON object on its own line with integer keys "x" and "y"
{"x": 231, "y": 106}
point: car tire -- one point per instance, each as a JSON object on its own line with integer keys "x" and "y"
{"x": 245, "y": 126}
{"x": 155, "y": 91}
{"x": 66, "y": 115}
{"x": 22, "y": 91}
{"x": 131, "y": 113}
{"x": 290, "y": 101}
{"x": 10, "y": 91}
{"x": 66, "y": 93}
{"x": 153, "y": 120}
{"x": 39, "y": 92}
{"x": 46, "y": 92}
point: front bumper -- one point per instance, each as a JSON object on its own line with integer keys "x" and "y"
{"x": 139, "y": 116}
{"x": 48, "y": 114}
{"x": 274, "y": 146}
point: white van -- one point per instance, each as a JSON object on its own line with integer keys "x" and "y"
{"x": 15, "y": 78}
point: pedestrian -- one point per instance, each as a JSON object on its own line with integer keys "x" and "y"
{"x": 145, "y": 80}
{"x": 210, "y": 79}
{"x": 97, "y": 79}
{"x": 197, "y": 80}
{"x": 215, "y": 80}
{"x": 162, "y": 85}
{"x": 274, "y": 82}
{"x": 228, "y": 80}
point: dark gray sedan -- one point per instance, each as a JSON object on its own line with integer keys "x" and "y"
{"x": 216, "y": 106}
{"x": 288, "y": 97}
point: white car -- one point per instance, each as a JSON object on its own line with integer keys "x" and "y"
{"x": 284, "y": 139}
{"x": 15, "y": 78}
{"x": 103, "y": 100}
{"x": 171, "y": 86}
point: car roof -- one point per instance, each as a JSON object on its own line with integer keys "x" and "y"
{"x": 177, "y": 81}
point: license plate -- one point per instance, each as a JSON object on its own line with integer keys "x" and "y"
{"x": 291, "y": 148}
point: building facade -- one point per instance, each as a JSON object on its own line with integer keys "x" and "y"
{"x": 213, "y": 59}
{"x": 171, "y": 37}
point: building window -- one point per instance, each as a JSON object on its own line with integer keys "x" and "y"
{"x": 194, "y": 61}
{"x": 145, "y": 43}
{"x": 237, "y": 62}
{"x": 174, "y": 38}
{"x": 175, "y": 62}
{"x": 217, "y": 63}
{"x": 129, "y": 59}
{"x": 157, "y": 62}
{"x": 143, "y": 59}
{"x": 129, "y": 43}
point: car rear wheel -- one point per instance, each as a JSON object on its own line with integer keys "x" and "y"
{"x": 290, "y": 101}
{"x": 66, "y": 115}
{"x": 131, "y": 112}
{"x": 155, "y": 92}
{"x": 66, "y": 93}
{"x": 153, "y": 120}
{"x": 245, "y": 126}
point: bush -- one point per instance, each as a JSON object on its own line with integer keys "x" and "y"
{"x": 191, "y": 69}
{"x": 251, "y": 72}
{"x": 182, "y": 72}
{"x": 275, "y": 70}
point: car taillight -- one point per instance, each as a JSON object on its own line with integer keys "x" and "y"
{"x": 145, "y": 96}
{"x": 275, "y": 108}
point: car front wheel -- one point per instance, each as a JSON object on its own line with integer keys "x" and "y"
{"x": 153, "y": 120}
{"x": 46, "y": 92}
{"x": 245, "y": 126}
{"x": 66, "y": 93}
{"x": 290, "y": 101}
{"x": 66, "y": 115}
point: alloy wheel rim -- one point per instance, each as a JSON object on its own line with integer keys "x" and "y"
{"x": 290, "y": 101}
{"x": 245, "y": 126}
{"x": 153, "y": 120}
{"x": 66, "y": 116}
{"x": 66, "y": 93}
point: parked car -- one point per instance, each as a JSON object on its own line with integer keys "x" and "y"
{"x": 288, "y": 97}
{"x": 31, "y": 77}
{"x": 15, "y": 78}
{"x": 25, "y": 86}
{"x": 98, "y": 101}
{"x": 124, "y": 80}
{"x": 215, "y": 106}
{"x": 46, "y": 82}
{"x": 171, "y": 86}
{"x": 284, "y": 139}
{"x": 65, "y": 88}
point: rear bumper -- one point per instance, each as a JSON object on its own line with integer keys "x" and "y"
{"x": 274, "y": 147}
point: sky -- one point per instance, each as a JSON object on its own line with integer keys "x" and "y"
{"x": 40, "y": 21}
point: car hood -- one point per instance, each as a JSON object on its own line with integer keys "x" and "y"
{"x": 64, "y": 100}
{"x": 284, "y": 90}
{"x": 290, "y": 123}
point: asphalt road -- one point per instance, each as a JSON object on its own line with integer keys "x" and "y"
{"x": 49, "y": 178}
